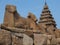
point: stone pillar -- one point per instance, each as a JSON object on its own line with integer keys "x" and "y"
{"x": 11, "y": 20}
{"x": 9, "y": 15}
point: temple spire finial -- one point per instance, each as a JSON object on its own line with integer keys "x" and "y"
{"x": 45, "y": 2}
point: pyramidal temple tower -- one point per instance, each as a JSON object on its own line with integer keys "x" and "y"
{"x": 46, "y": 17}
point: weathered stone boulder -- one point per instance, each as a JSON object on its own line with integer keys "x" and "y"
{"x": 27, "y": 40}
{"x": 53, "y": 40}
{"x": 40, "y": 39}
{"x": 58, "y": 41}
{"x": 10, "y": 38}
{"x": 43, "y": 39}
{"x": 5, "y": 37}
{"x": 17, "y": 39}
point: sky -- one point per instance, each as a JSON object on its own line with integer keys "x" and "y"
{"x": 33, "y": 6}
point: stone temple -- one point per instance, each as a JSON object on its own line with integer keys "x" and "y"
{"x": 17, "y": 30}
